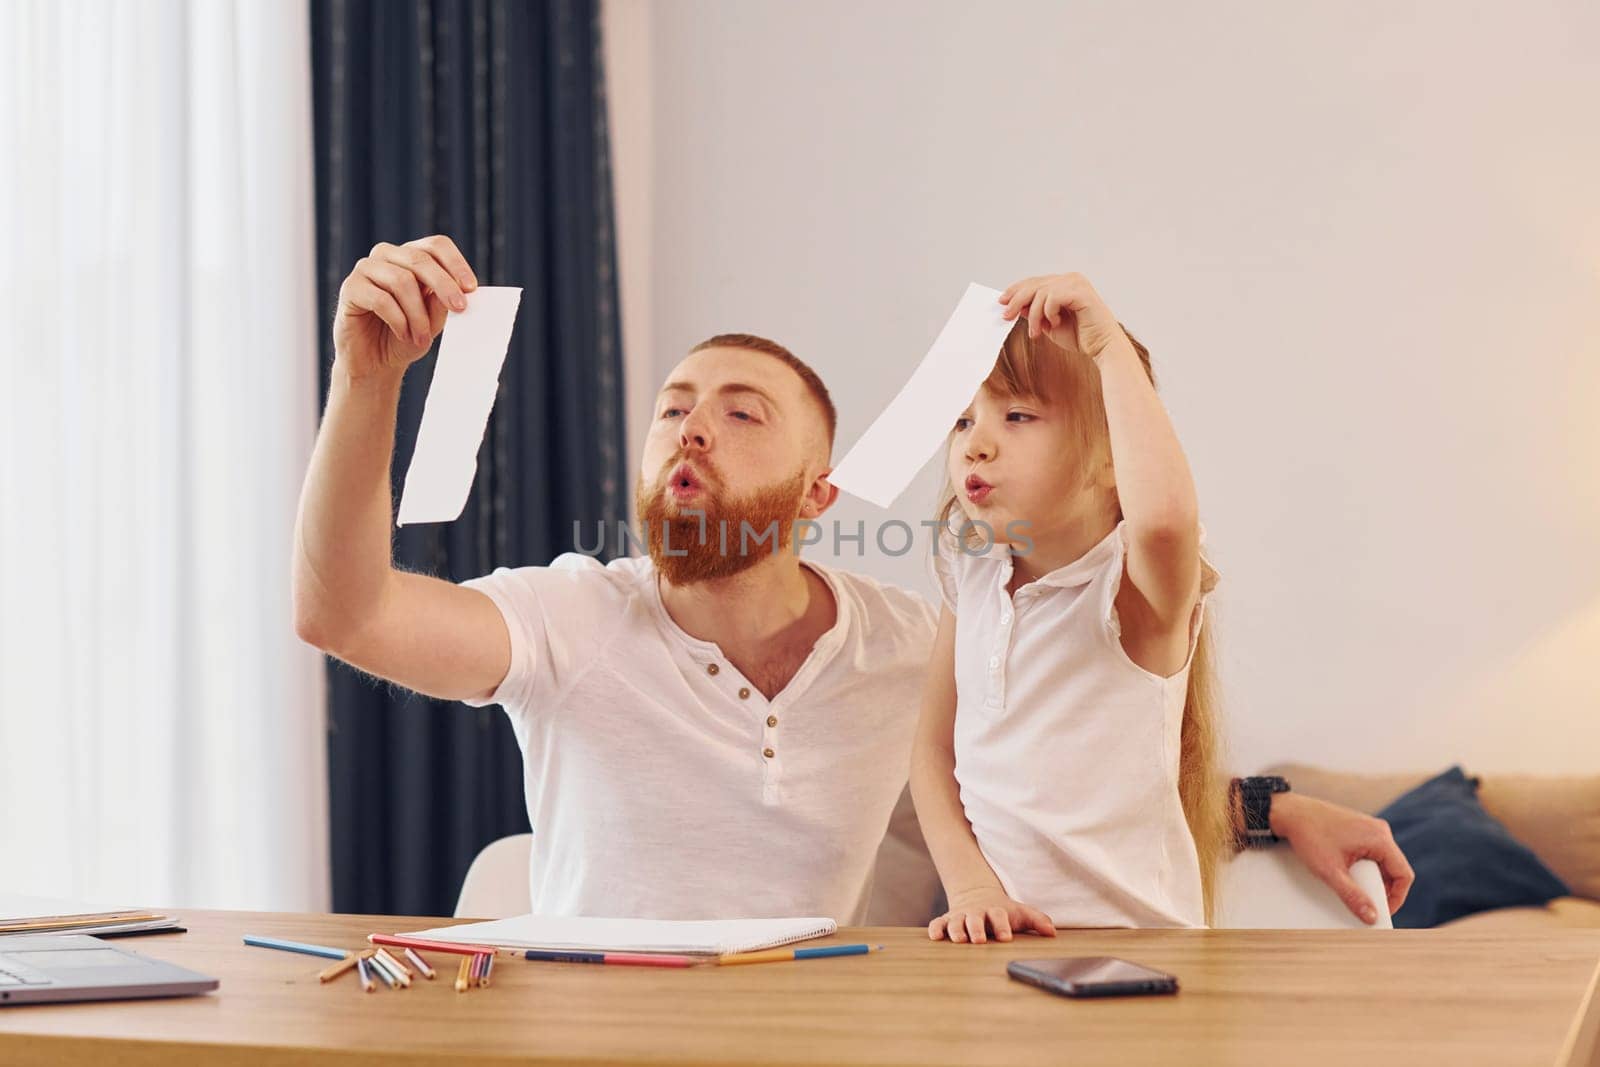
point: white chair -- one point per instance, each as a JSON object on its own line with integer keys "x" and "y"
{"x": 1270, "y": 889}
{"x": 1258, "y": 889}
{"x": 496, "y": 885}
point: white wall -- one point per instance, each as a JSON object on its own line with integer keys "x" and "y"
{"x": 1361, "y": 240}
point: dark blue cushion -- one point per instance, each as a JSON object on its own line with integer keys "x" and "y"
{"x": 1465, "y": 859}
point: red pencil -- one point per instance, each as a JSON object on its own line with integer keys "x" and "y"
{"x": 632, "y": 959}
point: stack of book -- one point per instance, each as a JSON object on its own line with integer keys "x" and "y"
{"x": 100, "y": 924}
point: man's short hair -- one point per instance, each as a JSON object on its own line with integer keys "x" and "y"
{"x": 752, "y": 343}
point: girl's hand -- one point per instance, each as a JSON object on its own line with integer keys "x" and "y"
{"x": 1066, "y": 309}
{"x": 973, "y": 915}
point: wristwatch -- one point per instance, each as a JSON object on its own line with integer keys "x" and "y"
{"x": 1255, "y": 798}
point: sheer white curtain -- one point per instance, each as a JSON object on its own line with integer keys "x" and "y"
{"x": 161, "y": 729}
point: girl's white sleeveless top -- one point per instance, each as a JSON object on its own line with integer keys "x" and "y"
{"x": 1066, "y": 750}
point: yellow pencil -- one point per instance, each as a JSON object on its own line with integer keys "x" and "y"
{"x": 328, "y": 974}
{"x": 461, "y": 975}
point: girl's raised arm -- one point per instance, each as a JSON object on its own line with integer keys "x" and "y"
{"x": 1154, "y": 485}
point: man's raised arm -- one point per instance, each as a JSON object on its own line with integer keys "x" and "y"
{"x": 424, "y": 633}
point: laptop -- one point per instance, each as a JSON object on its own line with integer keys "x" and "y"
{"x": 37, "y": 968}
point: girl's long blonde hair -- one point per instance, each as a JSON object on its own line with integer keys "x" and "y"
{"x": 1037, "y": 367}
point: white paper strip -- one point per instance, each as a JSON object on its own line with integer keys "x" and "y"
{"x": 885, "y": 459}
{"x": 465, "y": 379}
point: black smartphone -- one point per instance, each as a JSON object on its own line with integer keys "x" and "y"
{"x": 1092, "y": 976}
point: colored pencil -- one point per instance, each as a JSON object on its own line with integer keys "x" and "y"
{"x": 401, "y": 974}
{"x": 365, "y": 971}
{"x": 488, "y": 968}
{"x": 382, "y": 970}
{"x": 780, "y": 954}
{"x": 419, "y": 963}
{"x": 395, "y": 964}
{"x": 626, "y": 959}
{"x": 295, "y": 946}
{"x": 423, "y": 943}
{"x": 461, "y": 974}
{"x": 381, "y": 973}
{"x": 378, "y": 969}
{"x": 333, "y": 971}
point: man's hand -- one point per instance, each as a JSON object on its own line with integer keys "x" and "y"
{"x": 1328, "y": 839}
{"x": 394, "y": 303}
{"x": 974, "y": 915}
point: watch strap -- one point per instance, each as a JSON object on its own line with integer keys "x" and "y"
{"x": 1255, "y": 797}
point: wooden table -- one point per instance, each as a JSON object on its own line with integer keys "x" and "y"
{"x": 1366, "y": 998}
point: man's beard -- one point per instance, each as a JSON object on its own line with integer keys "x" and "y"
{"x": 732, "y": 536}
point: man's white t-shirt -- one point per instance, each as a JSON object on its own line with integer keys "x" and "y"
{"x": 660, "y": 783}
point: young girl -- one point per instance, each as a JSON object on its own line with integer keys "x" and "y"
{"x": 1065, "y": 765}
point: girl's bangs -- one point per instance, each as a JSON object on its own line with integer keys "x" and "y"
{"x": 1028, "y": 366}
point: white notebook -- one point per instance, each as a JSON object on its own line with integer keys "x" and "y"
{"x": 586, "y": 934}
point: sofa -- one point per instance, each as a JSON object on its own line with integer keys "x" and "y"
{"x": 1557, "y": 817}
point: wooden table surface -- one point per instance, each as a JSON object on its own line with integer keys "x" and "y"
{"x": 1360, "y": 997}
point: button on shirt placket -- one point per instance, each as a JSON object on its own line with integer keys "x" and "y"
{"x": 769, "y": 753}
{"x": 771, "y": 769}
{"x": 995, "y": 699}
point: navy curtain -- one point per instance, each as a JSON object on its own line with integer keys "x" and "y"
{"x": 483, "y": 120}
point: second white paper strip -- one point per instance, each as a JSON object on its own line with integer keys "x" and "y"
{"x": 885, "y": 458}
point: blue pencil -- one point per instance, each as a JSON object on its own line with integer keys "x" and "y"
{"x": 781, "y": 954}
{"x": 296, "y": 946}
